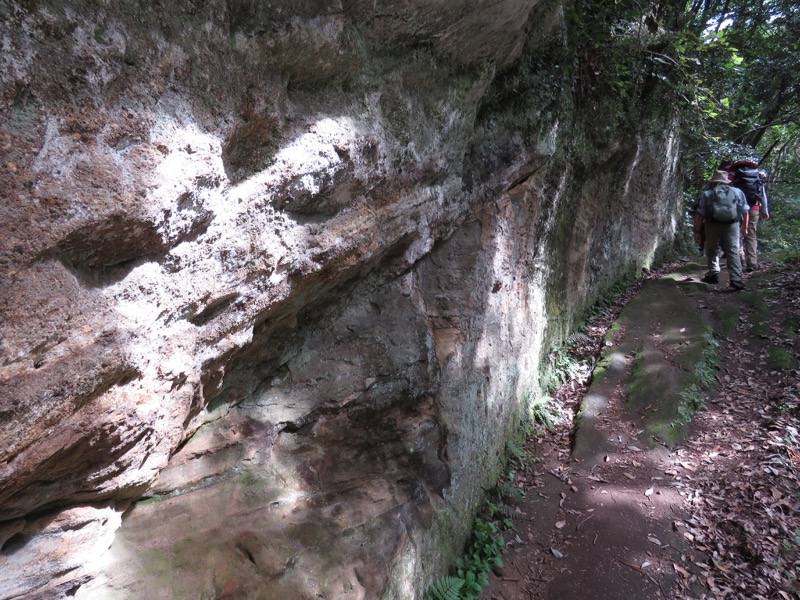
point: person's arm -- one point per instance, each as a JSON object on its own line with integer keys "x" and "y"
{"x": 744, "y": 210}
{"x": 764, "y": 203}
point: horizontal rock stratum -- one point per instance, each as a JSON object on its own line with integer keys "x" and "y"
{"x": 279, "y": 277}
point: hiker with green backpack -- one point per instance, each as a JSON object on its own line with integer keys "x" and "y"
{"x": 722, "y": 214}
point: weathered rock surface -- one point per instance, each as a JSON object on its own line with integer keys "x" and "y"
{"x": 287, "y": 270}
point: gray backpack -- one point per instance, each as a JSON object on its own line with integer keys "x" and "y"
{"x": 724, "y": 205}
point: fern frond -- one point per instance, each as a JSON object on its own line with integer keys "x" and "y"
{"x": 510, "y": 512}
{"x": 507, "y": 490}
{"x": 447, "y": 588}
{"x": 578, "y": 338}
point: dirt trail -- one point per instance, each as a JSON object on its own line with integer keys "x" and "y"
{"x": 629, "y": 502}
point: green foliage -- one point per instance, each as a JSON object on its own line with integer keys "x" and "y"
{"x": 705, "y": 370}
{"x": 516, "y": 455}
{"x": 447, "y": 588}
{"x": 778, "y": 358}
{"x": 780, "y": 234}
{"x": 155, "y": 499}
{"x": 732, "y": 66}
{"x": 544, "y": 412}
{"x": 692, "y": 400}
{"x": 247, "y": 478}
{"x": 484, "y": 549}
{"x": 561, "y": 366}
{"x": 505, "y": 490}
{"x": 611, "y": 72}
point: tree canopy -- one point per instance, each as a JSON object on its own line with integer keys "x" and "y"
{"x": 745, "y": 57}
{"x": 734, "y": 67}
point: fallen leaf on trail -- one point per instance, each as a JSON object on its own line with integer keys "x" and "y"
{"x": 598, "y": 479}
{"x": 649, "y": 491}
{"x": 556, "y": 553}
{"x": 560, "y": 524}
{"x": 629, "y": 476}
{"x": 653, "y": 540}
{"x": 645, "y": 564}
{"x": 680, "y": 569}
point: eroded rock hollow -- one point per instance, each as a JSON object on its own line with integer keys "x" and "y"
{"x": 278, "y": 279}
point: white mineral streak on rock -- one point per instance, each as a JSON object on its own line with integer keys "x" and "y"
{"x": 43, "y": 556}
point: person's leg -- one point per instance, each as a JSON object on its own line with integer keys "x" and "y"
{"x": 730, "y": 245}
{"x": 713, "y": 231}
{"x": 751, "y": 242}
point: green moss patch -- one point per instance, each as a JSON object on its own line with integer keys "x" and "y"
{"x": 673, "y": 359}
{"x": 727, "y": 316}
{"x": 754, "y": 299}
{"x": 778, "y": 358}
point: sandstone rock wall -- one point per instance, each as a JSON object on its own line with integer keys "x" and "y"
{"x": 278, "y": 278}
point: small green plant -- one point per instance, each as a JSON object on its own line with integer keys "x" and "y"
{"x": 247, "y": 478}
{"x": 693, "y": 398}
{"x": 560, "y": 368}
{"x": 485, "y": 548}
{"x": 706, "y": 369}
{"x": 447, "y": 588}
{"x": 154, "y": 499}
{"x": 484, "y": 552}
{"x": 544, "y": 412}
{"x": 507, "y": 491}
{"x": 517, "y": 457}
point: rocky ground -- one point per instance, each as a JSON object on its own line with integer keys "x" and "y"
{"x": 612, "y": 511}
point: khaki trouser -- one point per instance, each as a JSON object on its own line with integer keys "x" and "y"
{"x": 726, "y": 234}
{"x": 749, "y": 252}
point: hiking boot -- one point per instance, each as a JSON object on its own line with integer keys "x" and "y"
{"x": 737, "y": 286}
{"x": 710, "y": 279}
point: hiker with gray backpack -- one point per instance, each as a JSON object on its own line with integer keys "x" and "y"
{"x": 722, "y": 214}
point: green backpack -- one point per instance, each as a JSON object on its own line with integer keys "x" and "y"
{"x": 724, "y": 205}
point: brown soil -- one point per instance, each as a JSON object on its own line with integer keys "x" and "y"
{"x": 716, "y": 516}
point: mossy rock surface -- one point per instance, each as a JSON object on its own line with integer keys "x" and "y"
{"x": 660, "y": 339}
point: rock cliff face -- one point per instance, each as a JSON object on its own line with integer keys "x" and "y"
{"x": 278, "y": 278}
